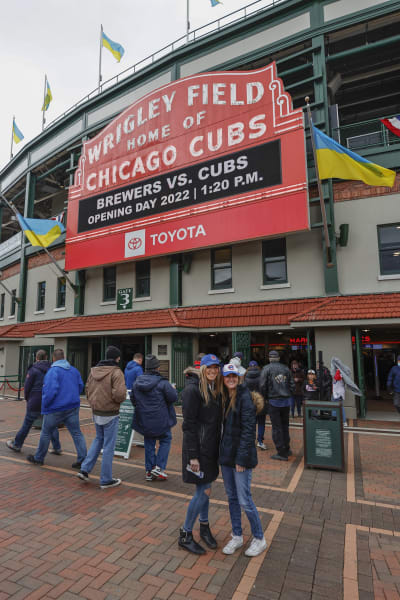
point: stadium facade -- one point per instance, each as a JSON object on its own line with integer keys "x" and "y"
{"x": 262, "y": 280}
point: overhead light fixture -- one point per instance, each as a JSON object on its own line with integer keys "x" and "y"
{"x": 279, "y": 333}
{"x": 366, "y": 330}
{"x": 396, "y": 253}
{"x": 213, "y": 334}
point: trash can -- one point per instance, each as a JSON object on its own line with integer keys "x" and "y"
{"x": 323, "y": 435}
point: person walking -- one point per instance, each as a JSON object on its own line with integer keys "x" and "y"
{"x": 153, "y": 397}
{"x": 105, "y": 390}
{"x": 133, "y": 369}
{"x": 60, "y": 404}
{"x": 277, "y": 386}
{"x": 33, "y": 395}
{"x": 252, "y": 381}
{"x": 393, "y": 384}
{"x": 238, "y": 458}
{"x": 296, "y": 400}
{"x": 201, "y": 408}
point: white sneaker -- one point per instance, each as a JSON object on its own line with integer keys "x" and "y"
{"x": 256, "y": 547}
{"x": 235, "y": 543}
{"x": 159, "y": 474}
{"x": 345, "y": 424}
{"x": 261, "y": 445}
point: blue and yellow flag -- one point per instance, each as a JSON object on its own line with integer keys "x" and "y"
{"x": 215, "y": 2}
{"x": 48, "y": 97}
{"x": 17, "y": 133}
{"x": 116, "y": 49}
{"x": 336, "y": 161}
{"x": 41, "y": 232}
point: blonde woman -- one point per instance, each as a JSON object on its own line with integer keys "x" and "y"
{"x": 201, "y": 407}
{"x": 238, "y": 457}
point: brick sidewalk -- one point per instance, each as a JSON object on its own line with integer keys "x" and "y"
{"x": 330, "y": 535}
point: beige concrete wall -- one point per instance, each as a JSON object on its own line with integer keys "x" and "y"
{"x": 12, "y": 283}
{"x": 11, "y": 359}
{"x": 304, "y": 265}
{"x": 358, "y": 262}
{"x": 47, "y": 273}
{"x": 161, "y": 340}
{"x": 337, "y": 342}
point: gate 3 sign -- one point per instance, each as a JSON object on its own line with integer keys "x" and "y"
{"x": 210, "y": 159}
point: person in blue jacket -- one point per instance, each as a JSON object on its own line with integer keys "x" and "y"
{"x": 393, "y": 383}
{"x": 133, "y": 369}
{"x": 153, "y": 398}
{"x": 60, "y": 404}
{"x": 33, "y": 395}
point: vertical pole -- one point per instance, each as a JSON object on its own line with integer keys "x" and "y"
{"x": 187, "y": 21}
{"x": 44, "y": 100}
{"x": 308, "y": 348}
{"x": 101, "y": 45}
{"x": 360, "y": 373}
{"x": 28, "y": 212}
{"x": 12, "y": 137}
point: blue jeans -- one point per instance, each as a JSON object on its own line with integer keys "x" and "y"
{"x": 30, "y": 418}
{"x": 237, "y": 488}
{"x": 106, "y": 436}
{"x": 198, "y": 506}
{"x": 160, "y": 459}
{"x": 296, "y": 401}
{"x": 261, "y": 428}
{"x": 343, "y": 411}
{"x": 70, "y": 418}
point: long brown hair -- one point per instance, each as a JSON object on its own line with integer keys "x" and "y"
{"x": 229, "y": 399}
{"x": 205, "y": 388}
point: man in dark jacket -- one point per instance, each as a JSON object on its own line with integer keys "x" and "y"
{"x": 393, "y": 383}
{"x": 33, "y": 396}
{"x": 133, "y": 369}
{"x": 106, "y": 391}
{"x": 153, "y": 397}
{"x": 60, "y": 404}
{"x": 277, "y": 385}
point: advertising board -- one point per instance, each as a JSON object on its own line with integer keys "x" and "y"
{"x": 207, "y": 160}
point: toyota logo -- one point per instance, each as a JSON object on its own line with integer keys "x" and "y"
{"x": 134, "y": 243}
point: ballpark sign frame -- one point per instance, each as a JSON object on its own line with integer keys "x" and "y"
{"x": 207, "y": 160}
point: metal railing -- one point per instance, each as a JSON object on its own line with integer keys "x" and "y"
{"x": 192, "y": 36}
{"x": 366, "y": 134}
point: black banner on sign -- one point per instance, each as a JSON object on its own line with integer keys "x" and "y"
{"x": 252, "y": 169}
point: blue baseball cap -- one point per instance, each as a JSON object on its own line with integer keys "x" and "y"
{"x": 253, "y": 363}
{"x": 209, "y": 359}
{"x": 230, "y": 369}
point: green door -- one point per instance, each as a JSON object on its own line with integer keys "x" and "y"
{"x": 77, "y": 355}
{"x": 182, "y": 357}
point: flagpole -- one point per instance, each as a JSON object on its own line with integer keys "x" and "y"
{"x": 44, "y": 100}
{"x": 101, "y": 45}
{"x": 187, "y": 21}
{"x": 63, "y": 273}
{"x": 12, "y": 137}
{"x": 321, "y": 198}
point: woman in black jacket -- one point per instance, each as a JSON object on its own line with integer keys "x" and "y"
{"x": 201, "y": 407}
{"x": 238, "y": 456}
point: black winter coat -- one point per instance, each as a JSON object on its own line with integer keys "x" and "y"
{"x": 34, "y": 384}
{"x": 252, "y": 381}
{"x": 237, "y": 444}
{"x": 201, "y": 430}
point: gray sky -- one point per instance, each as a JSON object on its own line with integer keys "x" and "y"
{"x": 61, "y": 38}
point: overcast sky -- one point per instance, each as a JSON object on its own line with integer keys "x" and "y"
{"x": 61, "y": 38}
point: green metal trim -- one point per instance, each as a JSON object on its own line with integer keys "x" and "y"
{"x": 79, "y": 301}
{"x": 148, "y": 344}
{"x": 309, "y": 358}
{"x": 373, "y": 45}
{"x": 57, "y": 166}
{"x": 175, "y": 281}
{"x": 23, "y": 276}
{"x": 360, "y": 372}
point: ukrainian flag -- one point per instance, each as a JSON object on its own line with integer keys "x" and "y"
{"x": 116, "y": 49}
{"x": 48, "y": 97}
{"x": 17, "y": 133}
{"x": 41, "y": 232}
{"x": 215, "y": 2}
{"x": 336, "y": 161}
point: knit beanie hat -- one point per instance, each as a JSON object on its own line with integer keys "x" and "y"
{"x": 112, "y": 353}
{"x": 151, "y": 362}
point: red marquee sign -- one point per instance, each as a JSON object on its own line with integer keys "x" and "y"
{"x": 207, "y": 160}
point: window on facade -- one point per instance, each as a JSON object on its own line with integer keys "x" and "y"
{"x": 61, "y": 286}
{"x": 221, "y": 268}
{"x": 389, "y": 248}
{"x": 2, "y": 302}
{"x": 13, "y": 303}
{"x": 109, "y": 283}
{"x": 143, "y": 279}
{"x": 274, "y": 261}
{"x": 41, "y": 295}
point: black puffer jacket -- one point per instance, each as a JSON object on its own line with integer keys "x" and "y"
{"x": 201, "y": 430}
{"x": 252, "y": 379}
{"x": 237, "y": 444}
